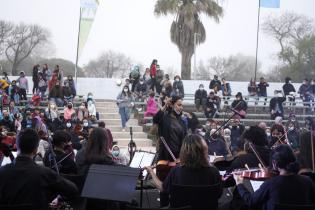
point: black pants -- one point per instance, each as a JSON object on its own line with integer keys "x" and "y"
{"x": 22, "y": 93}
{"x": 35, "y": 86}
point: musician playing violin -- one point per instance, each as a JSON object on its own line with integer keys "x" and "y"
{"x": 278, "y": 135}
{"x": 287, "y": 188}
{"x": 194, "y": 167}
{"x": 171, "y": 127}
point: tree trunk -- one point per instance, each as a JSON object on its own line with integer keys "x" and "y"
{"x": 186, "y": 65}
{"x": 14, "y": 69}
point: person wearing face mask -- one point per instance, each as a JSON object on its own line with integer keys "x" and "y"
{"x": 67, "y": 92}
{"x": 215, "y": 84}
{"x": 125, "y": 102}
{"x": 239, "y": 105}
{"x": 23, "y": 85}
{"x": 119, "y": 157}
{"x": 167, "y": 85}
{"x": 66, "y": 165}
{"x": 278, "y": 136}
{"x": 14, "y": 92}
{"x": 71, "y": 83}
{"x": 226, "y": 88}
{"x": 7, "y": 121}
{"x": 212, "y": 105}
{"x": 178, "y": 87}
{"x": 92, "y": 111}
{"x": 171, "y": 127}
{"x": 56, "y": 94}
{"x": 134, "y": 77}
{"x": 216, "y": 145}
{"x": 200, "y": 98}
{"x": 141, "y": 90}
{"x": 275, "y": 105}
{"x": 68, "y": 111}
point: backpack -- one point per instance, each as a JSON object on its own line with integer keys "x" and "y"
{"x": 134, "y": 74}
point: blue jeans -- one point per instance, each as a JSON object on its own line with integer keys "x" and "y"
{"x": 124, "y": 115}
{"x": 58, "y": 101}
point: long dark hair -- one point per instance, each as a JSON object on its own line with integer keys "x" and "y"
{"x": 284, "y": 158}
{"x": 97, "y": 147}
{"x": 128, "y": 92}
{"x": 193, "y": 153}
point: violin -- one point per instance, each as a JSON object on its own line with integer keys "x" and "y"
{"x": 257, "y": 174}
{"x": 163, "y": 167}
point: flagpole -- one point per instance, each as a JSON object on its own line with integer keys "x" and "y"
{"x": 77, "y": 56}
{"x": 257, "y": 41}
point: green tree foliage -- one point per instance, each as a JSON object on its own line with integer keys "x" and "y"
{"x": 186, "y": 24}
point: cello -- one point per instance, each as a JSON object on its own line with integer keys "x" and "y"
{"x": 163, "y": 167}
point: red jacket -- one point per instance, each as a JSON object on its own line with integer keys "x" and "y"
{"x": 153, "y": 70}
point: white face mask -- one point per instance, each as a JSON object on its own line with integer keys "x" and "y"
{"x": 177, "y": 80}
{"x": 85, "y": 124}
{"x": 291, "y": 128}
{"x": 126, "y": 90}
{"x": 200, "y": 88}
{"x": 268, "y": 133}
{"x": 289, "y": 81}
{"x": 141, "y": 83}
{"x": 313, "y": 83}
{"x": 68, "y": 125}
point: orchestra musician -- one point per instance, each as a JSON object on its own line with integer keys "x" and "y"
{"x": 171, "y": 127}
{"x": 25, "y": 182}
{"x": 278, "y": 135}
{"x": 194, "y": 168}
{"x": 287, "y": 188}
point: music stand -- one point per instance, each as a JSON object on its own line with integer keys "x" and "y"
{"x": 107, "y": 182}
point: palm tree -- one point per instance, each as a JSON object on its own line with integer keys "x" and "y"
{"x": 187, "y": 22}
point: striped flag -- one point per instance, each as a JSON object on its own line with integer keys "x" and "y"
{"x": 270, "y": 3}
{"x": 88, "y": 12}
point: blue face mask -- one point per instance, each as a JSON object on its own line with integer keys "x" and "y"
{"x": 115, "y": 153}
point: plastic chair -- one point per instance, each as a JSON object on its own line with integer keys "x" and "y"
{"x": 16, "y": 207}
{"x": 281, "y": 206}
{"x": 199, "y": 197}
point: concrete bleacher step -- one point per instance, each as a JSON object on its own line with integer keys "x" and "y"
{"x": 117, "y": 128}
{"x": 109, "y": 114}
{"x": 104, "y": 115}
{"x": 131, "y": 122}
{"x": 126, "y": 134}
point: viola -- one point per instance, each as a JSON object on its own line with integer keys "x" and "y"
{"x": 163, "y": 167}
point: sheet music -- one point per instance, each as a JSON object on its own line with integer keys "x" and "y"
{"x": 256, "y": 184}
{"x": 142, "y": 159}
{"x": 6, "y": 160}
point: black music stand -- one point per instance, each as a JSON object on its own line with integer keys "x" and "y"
{"x": 107, "y": 182}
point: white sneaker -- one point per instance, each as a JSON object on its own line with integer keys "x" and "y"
{"x": 123, "y": 130}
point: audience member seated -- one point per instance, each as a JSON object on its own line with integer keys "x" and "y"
{"x": 200, "y": 98}
{"x": 67, "y": 92}
{"x": 7, "y": 121}
{"x": 216, "y": 145}
{"x": 178, "y": 87}
{"x": 212, "y": 105}
{"x": 215, "y": 84}
{"x": 275, "y": 105}
{"x": 119, "y": 157}
{"x": 56, "y": 94}
{"x": 141, "y": 90}
{"x": 83, "y": 112}
{"x": 151, "y": 106}
{"x": 92, "y": 111}
{"x": 14, "y": 92}
{"x": 167, "y": 86}
{"x": 25, "y": 182}
{"x": 252, "y": 88}
{"x": 65, "y": 164}
{"x": 305, "y": 91}
{"x": 262, "y": 87}
{"x": 68, "y": 111}
{"x": 288, "y": 88}
{"x": 239, "y": 105}
{"x": 226, "y": 88}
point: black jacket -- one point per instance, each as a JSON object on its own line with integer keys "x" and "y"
{"x": 25, "y": 182}
{"x": 287, "y": 88}
{"x": 200, "y": 94}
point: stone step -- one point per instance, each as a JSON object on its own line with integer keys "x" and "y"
{"x": 126, "y": 134}
{"x": 104, "y": 103}
{"x": 117, "y": 128}
{"x": 107, "y": 110}
{"x": 139, "y": 142}
{"x": 104, "y": 115}
{"x": 118, "y": 122}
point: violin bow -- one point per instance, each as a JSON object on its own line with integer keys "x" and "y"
{"x": 252, "y": 147}
{"x": 168, "y": 148}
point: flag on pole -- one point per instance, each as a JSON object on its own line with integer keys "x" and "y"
{"x": 88, "y": 11}
{"x": 270, "y": 3}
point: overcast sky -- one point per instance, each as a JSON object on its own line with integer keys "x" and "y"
{"x": 129, "y": 26}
